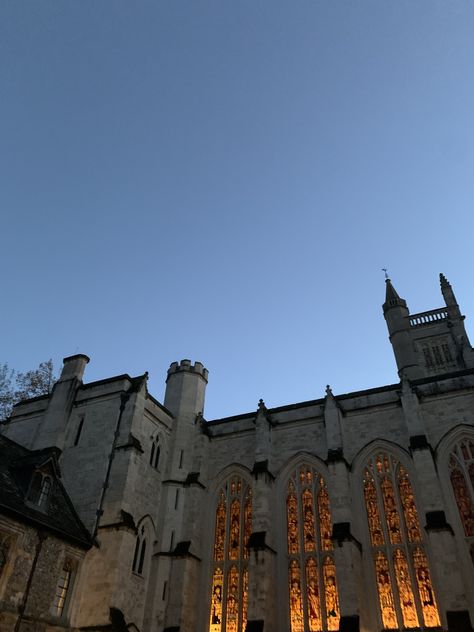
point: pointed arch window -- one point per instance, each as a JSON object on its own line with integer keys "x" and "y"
{"x": 40, "y": 490}
{"x": 314, "y": 602}
{"x": 140, "y": 551}
{"x": 233, "y": 525}
{"x": 155, "y": 452}
{"x": 461, "y": 473}
{"x": 405, "y": 590}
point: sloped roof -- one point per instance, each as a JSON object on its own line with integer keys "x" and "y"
{"x": 17, "y": 466}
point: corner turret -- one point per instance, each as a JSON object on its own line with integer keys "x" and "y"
{"x": 185, "y": 389}
{"x": 397, "y": 316}
{"x": 428, "y": 343}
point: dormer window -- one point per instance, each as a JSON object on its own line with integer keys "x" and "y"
{"x": 40, "y": 490}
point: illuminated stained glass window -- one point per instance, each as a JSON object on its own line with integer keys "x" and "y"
{"x": 313, "y": 597}
{"x": 406, "y": 594}
{"x": 461, "y": 470}
{"x": 233, "y": 525}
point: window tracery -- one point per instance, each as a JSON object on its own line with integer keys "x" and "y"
{"x": 405, "y": 590}
{"x": 233, "y": 526}
{"x": 461, "y": 470}
{"x": 313, "y": 596}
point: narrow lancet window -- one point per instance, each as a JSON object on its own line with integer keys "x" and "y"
{"x": 406, "y": 594}
{"x": 461, "y": 470}
{"x": 313, "y": 596}
{"x": 233, "y": 526}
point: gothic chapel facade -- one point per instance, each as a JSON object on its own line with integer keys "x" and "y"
{"x": 351, "y": 512}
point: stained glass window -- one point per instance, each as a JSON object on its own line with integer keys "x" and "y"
{"x": 405, "y": 590}
{"x": 233, "y": 526}
{"x": 461, "y": 467}
{"x": 313, "y": 597}
{"x": 62, "y": 588}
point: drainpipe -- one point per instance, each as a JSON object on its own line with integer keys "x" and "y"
{"x": 22, "y": 608}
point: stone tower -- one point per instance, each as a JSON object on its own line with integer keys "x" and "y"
{"x": 428, "y": 343}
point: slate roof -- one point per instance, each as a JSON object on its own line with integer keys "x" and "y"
{"x": 17, "y": 466}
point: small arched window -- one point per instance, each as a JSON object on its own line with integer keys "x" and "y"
{"x": 139, "y": 554}
{"x": 461, "y": 473}
{"x": 40, "y": 490}
{"x": 402, "y": 573}
{"x": 155, "y": 453}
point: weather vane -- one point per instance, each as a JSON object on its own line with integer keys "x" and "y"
{"x": 385, "y": 271}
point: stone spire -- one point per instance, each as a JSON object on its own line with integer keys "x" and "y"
{"x": 392, "y": 299}
{"x": 397, "y": 316}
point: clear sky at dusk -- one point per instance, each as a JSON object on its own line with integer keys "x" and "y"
{"x": 224, "y": 180}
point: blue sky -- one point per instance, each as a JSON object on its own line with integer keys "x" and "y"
{"x": 224, "y": 180}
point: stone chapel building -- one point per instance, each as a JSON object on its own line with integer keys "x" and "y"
{"x": 351, "y": 512}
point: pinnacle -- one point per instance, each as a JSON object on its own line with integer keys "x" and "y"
{"x": 443, "y": 280}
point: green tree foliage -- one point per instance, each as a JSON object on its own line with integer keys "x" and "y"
{"x": 16, "y": 386}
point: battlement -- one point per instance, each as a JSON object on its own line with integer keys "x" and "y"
{"x": 185, "y": 365}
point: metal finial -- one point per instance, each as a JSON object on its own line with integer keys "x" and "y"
{"x": 384, "y": 270}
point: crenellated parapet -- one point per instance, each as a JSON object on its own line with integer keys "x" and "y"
{"x": 186, "y": 366}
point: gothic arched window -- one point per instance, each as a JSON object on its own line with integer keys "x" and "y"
{"x": 40, "y": 490}
{"x": 461, "y": 472}
{"x": 405, "y": 590}
{"x": 233, "y": 525}
{"x": 139, "y": 554}
{"x": 155, "y": 453}
{"x": 314, "y": 602}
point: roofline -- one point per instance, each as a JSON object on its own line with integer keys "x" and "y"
{"x": 343, "y": 396}
{"x": 82, "y": 542}
{"x": 163, "y": 408}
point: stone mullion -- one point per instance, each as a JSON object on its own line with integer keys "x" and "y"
{"x": 407, "y": 546}
{"x": 388, "y": 550}
{"x": 302, "y": 552}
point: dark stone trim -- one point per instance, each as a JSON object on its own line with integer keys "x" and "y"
{"x": 193, "y": 479}
{"x": 341, "y": 532}
{"x": 419, "y": 442}
{"x": 335, "y": 455}
{"x": 181, "y": 550}
{"x": 133, "y": 443}
{"x": 458, "y": 621}
{"x": 172, "y": 481}
{"x": 261, "y": 467}
{"x": 257, "y": 542}
{"x": 349, "y": 623}
{"x": 255, "y": 626}
{"x": 436, "y": 521}
{"x": 127, "y": 522}
{"x": 118, "y": 620}
{"x": 173, "y": 628}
